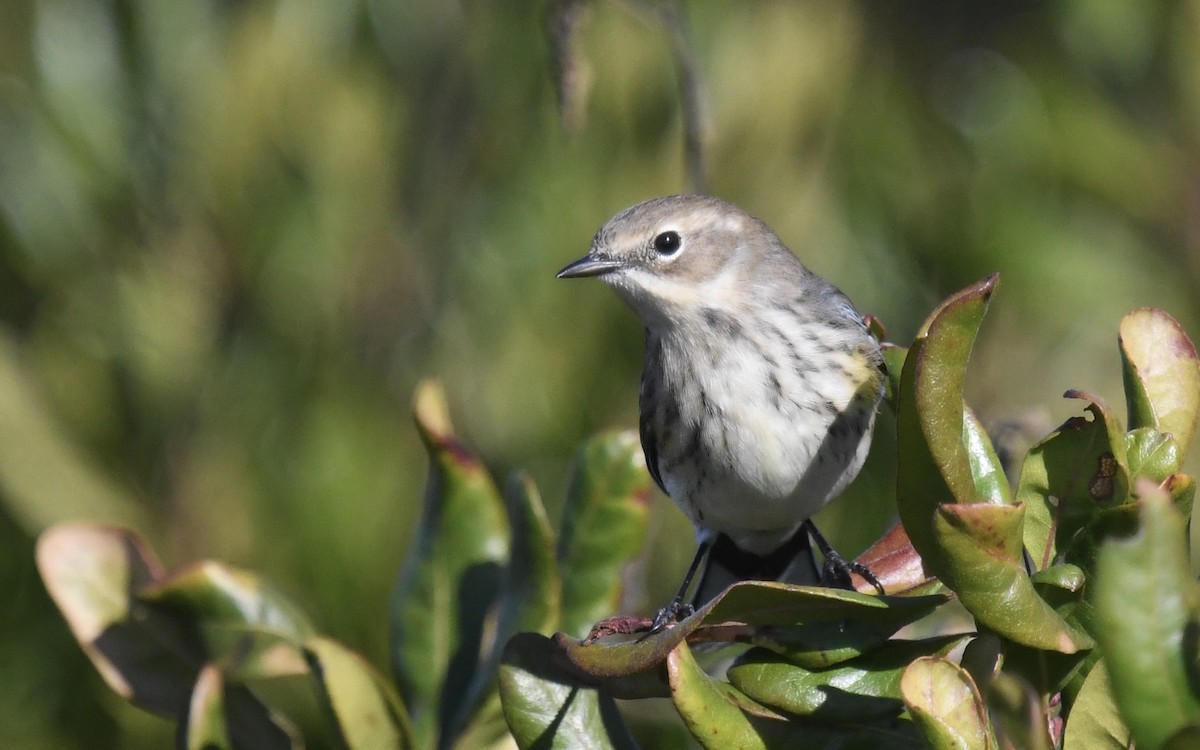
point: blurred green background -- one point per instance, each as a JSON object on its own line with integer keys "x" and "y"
{"x": 234, "y": 235}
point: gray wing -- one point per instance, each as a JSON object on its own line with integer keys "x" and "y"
{"x": 647, "y": 404}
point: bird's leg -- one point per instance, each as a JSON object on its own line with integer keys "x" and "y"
{"x": 678, "y": 609}
{"x": 837, "y": 569}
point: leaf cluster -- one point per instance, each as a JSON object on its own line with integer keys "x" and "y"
{"x": 1081, "y": 633}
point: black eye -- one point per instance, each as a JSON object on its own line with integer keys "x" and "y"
{"x": 667, "y": 242}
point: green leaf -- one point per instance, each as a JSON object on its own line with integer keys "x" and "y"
{"x": 716, "y": 714}
{"x": 1075, "y": 487}
{"x": 544, "y": 708}
{"x": 1161, "y": 373}
{"x": 368, "y": 714}
{"x": 1182, "y": 489}
{"x": 145, "y": 655}
{"x": 205, "y": 725}
{"x": 1146, "y": 603}
{"x": 530, "y": 599}
{"x": 822, "y": 644}
{"x": 946, "y": 706}
{"x": 991, "y": 485}
{"x": 1017, "y": 713}
{"x": 748, "y": 611}
{"x": 450, "y": 579}
{"x": 221, "y": 714}
{"x": 893, "y": 362}
{"x": 1094, "y": 722}
{"x": 604, "y": 527}
{"x": 1152, "y": 454}
{"x": 982, "y": 544}
{"x": 933, "y": 463}
{"x": 860, "y": 689}
{"x": 210, "y": 592}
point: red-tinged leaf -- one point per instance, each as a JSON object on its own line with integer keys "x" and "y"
{"x": 934, "y": 467}
{"x": 896, "y": 566}
{"x": 946, "y": 706}
{"x": 757, "y": 612}
{"x": 1161, "y": 373}
{"x": 145, "y": 655}
{"x": 449, "y": 582}
{"x": 982, "y": 544}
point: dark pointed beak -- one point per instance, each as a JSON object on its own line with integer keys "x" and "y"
{"x": 589, "y": 265}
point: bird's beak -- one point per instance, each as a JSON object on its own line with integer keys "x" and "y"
{"x": 589, "y": 265}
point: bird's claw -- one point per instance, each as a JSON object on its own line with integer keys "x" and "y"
{"x": 667, "y": 616}
{"x": 837, "y": 569}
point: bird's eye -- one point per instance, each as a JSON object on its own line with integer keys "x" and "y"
{"x": 667, "y": 243}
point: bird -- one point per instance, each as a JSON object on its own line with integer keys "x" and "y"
{"x": 759, "y": 388}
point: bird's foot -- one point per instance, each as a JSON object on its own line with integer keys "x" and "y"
{"x": 667, "y": 616}
{"x": 837, "y": 569}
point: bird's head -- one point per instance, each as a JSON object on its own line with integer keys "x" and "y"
{"x": 671, "y": 257}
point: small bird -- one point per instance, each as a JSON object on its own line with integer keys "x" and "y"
{"x": 759, "y": 387}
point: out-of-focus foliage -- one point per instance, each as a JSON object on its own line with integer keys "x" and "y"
{"x": 234, "y": 235}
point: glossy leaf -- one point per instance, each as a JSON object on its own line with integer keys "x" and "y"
{"x": 1075, "y": 485}
{"x": 530, "y": 599}
{"x": 1152, "y": 454}
{"x": 893, "y": 362}
{"x": 368, "y": 714}
{"x": 982, "y": 544}
{"x": 1161, "y": 373}
{"x": 716, "y": 714}
{"x": 450, "y": 579}
{"x": 604, "y": 527}
{"x": 938, "y": 381}
{"x": 1146, "y": 603}
{"x": 933, "y": 466}
{"x": 991, "y": 485}
{"x": 860, "y": 689}
{"x": 741, "y": 612}
{"x": 1094, "y": 722}
{"x": 819, "y": 645}
{"x": 544, "y": 708}
{"x": 946, "y": 706}
{"x": 897, "y": 566}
